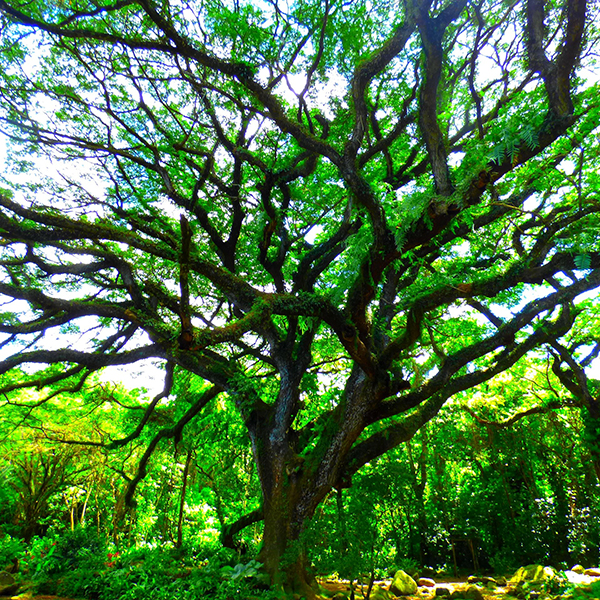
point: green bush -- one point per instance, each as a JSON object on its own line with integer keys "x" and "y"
{"x": 153, "y": 573}
{"x": 82, "y": 583}
{"x": 76, "y": 564}
{"x": 241, "y": 583}
{"x": 10, "y": 549}
{"x": 40, "y": 560}
{"x": 504, "y": 562}
{"x": 68, "y": 563}
{"x": 590, "y": 592}
{"x": 81, "y": 548}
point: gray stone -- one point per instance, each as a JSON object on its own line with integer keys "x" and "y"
{"x": 578, "y": 569}
{"x": 472, "y": 592}
{"x": 378, "y": 593}
{"x": 403, "y": 584}
{"x": 482, "y": 579}
{"x": 8, "y": 584}
{"x": 442, "y": 592}
{"x": 425, "y": 581}
{"x": 469, "y": 592}
{"x": 534, "y": 574}
{"x": 594, "y": 572}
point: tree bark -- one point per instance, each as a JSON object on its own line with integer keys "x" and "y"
{"x": 186, "y": 471}
{"x": 283, "y": 554}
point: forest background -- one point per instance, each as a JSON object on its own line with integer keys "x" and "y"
{"x": 359, "y": 242}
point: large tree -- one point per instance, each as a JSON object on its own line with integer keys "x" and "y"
{"x": 337, "y": 214}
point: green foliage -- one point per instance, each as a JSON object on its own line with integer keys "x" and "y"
{"x": 249, "y": 570}
{"x": 11, "y": 549}
{"x": 582, "y": 261}
{"x": 81, "y": 548}
{"x": 40, "y": 559}
{"x": 587, "y": 592}
{"x": 356, "y": 244}
{"x": 158, "y": 573}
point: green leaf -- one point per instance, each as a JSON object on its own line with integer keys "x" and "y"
{"x": 582, "y": 261}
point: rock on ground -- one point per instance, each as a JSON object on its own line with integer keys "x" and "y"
{"x": 533, "y": 573}
{"x": 8, "y": 584}
{"x": 578, "y": 569}
{"x": 468, "y": 592}
{"x": 482, "y": 579}
{"x": 403, "y": 584}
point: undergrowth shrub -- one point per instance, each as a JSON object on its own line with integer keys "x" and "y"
{"x": 10, "y": 550}
{"x": 81, "y": 548}
{"x": 80, "y": 564}
{"x": 39, "y": 560}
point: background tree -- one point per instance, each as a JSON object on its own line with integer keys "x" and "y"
{"x": 337, "y": 215}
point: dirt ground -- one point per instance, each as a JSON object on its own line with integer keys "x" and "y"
{"x": 498, "y": 593}
{"x": 424, "y": 593}
{"x": 340, "y": 586}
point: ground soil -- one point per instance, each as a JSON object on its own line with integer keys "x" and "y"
{"x": 341, "y": 586}
{"x": 499, "y": 593}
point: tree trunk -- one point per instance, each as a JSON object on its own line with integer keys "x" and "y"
{"x": 186, "y": 471}
{"x": 292, "y": 484}
{"x": 283, "y": 553}
{"x": 592, "y": 426}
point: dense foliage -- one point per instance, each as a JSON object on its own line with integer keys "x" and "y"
{"x": 324, "y": 221}
{"x": 494, "y": 482}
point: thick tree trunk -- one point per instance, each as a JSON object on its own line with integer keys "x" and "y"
{"x": 294, "y": 481}
{"x": 283, "y": 553}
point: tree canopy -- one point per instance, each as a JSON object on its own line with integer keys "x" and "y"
{"x": 336, "y": 215}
